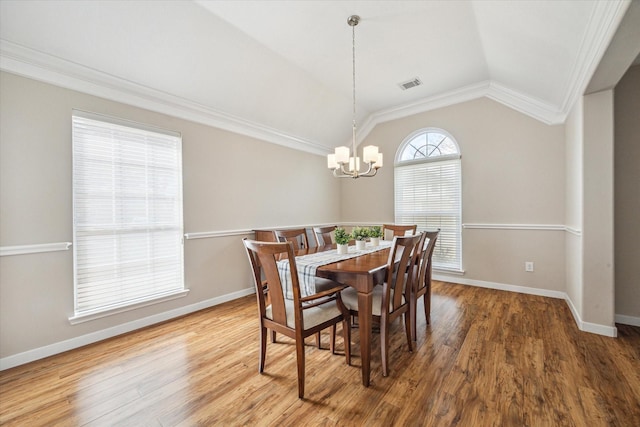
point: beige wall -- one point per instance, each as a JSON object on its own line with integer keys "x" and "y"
{"x": 597, "y": 215}
{"x": 513, "y": 172}
{"x": 573, "y": 204}
{"x": 627, "y": 194}
{"x": 589, "y": 212}
{"x": 231, "y": 182}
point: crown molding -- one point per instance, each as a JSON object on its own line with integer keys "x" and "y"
{"x": 47, "y": 68}
{"x": 603, "y": 24}
{"x": 525, "y": 104}
{"x": 441, "y": 100}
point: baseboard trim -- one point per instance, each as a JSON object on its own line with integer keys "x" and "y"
{"x": 574, "y": 311}
{"x": 627, "y": 320}
{"x": 60, "y": 347}
{"x": 595, "y": 328}
{"x": 501, "y": 286}
{"x": 70, "y": 344}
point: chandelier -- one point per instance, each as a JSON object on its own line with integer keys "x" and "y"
{"x": 342, "y": 162}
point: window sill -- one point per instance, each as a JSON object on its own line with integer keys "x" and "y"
{"x": 88, "y": 316}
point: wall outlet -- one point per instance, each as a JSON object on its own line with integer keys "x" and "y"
{"x": 528, "y": 266}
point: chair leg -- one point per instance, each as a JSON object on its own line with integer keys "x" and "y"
{"x": 427, "y": 304}
{"x": 332, "y": 340}
{"x": 263, "y": 349}
{"x": 407, "y": 326}
{"x": 273, "y": 336}
{"x": 346, "y": 333}
{"x": 384, "y": 345}
{"x": 318, "y": 340}
{"x": 413, "y": 308}
{"x": 300, "y": 360}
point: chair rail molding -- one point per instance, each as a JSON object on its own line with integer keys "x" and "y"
{"x": 221, "y": 233}
{"x": 246, "y": 231}
{"x": 546, "y": 227}
{"x": 34, "y": 249}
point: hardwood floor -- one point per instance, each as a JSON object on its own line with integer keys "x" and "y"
{"x": 488, "y": 358}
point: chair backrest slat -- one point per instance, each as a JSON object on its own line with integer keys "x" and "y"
{"x": 297, "y": 236}
{"x": 398, "y": 230}
{"x": 256, "y": 270}
{"x": 424, "y": 275}
{"x": 400, "y": 275}
{"x": 324, "y": 235}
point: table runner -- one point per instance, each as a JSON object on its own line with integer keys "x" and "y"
{"x": 307, "y": 265}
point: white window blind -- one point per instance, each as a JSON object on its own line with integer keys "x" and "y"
{"x": 127, "y": 207}
{"x": 428, "y": 194}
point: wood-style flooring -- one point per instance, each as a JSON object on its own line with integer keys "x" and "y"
{"x": 488, "y": 358}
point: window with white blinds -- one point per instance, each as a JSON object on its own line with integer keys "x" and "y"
{"x": 428, "y": 192}
{"x": 127, "y": 209}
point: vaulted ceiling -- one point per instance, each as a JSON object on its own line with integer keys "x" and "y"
{"x": 282, "y": 70}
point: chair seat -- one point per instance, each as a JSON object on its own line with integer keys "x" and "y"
{"x": 350, "y": 299}
{"x": 326, "y": 284}
{"x": 311, "y": 316}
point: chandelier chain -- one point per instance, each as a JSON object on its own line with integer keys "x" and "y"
{"x": 353, "y": 52}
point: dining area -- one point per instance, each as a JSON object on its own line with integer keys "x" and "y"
{"x": 480, "y": 357}
{"x": 303, "y": 289}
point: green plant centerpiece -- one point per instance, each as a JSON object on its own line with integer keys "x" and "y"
{"x": 360, "y": 235}
{"x": 341, "y": 236}
{"x": 375, "y": 231}
{"x": 342, "y": 240}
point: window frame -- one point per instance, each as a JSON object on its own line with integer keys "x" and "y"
{"x": 117, "y": 228}
{"x": 398, "y": 163}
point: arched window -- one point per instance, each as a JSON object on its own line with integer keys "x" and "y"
{"x": 428, "y": 191}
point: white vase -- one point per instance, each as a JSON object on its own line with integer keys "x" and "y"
{"x": 375, "y": 241}
{"x": 343, "y": 249}
{"x": 360, "y": 245}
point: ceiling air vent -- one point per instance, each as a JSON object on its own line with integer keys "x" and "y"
{"x": 411, "y": 83}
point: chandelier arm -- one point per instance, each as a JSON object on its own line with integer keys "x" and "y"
{"x": 337, "y": 173}
{"x": 370, "y": 173}
{"x": 371, "y": 168}
{"x": 341, "y": 174}
{"x": 345, "y": 172}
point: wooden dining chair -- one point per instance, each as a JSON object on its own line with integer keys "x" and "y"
{"x": 391, "y": 300}
{"x": 297, "y": 318}
{"x": 324, "y": 235}
{"x": 298, "y": 236}
{"x": 422, "y": 279}
{"x": 398, "y": 230}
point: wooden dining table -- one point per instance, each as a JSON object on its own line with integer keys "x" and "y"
{"x": 362, "y": 273}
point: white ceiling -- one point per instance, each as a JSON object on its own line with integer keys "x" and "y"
{"x": 281, "y": 70}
